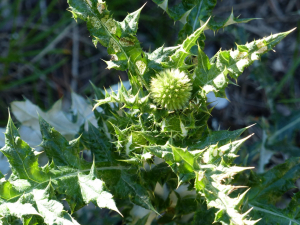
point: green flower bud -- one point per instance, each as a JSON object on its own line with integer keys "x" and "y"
{"x": 171, "y": 89}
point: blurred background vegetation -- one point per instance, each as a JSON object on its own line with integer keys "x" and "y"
{"x": 44, "y": 55}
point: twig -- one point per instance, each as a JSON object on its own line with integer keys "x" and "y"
{"x": 49, "y": 47}
{"x": 290, "y": 6}
{"x": 43, "y": 8}
{"x": 286, "y": 19}
{"x": 84, "y": 40}
{"x": 75, "y": 58}
{"x": 275, "y": 8}
{"x": 53, "y": 43}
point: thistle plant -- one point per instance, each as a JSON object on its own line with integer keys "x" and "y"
{"x": 153, "y": 140}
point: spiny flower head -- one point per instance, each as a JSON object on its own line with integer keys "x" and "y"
{"x": 171, "y": 89}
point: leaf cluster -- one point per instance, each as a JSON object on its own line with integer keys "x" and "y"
{"x": 151, "y": 164}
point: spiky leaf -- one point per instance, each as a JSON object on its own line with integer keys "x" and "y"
{"x": 36, "y": 189}
{"x": 119, "y": 37}
{"x": 193, "y": 14}
{"x": 214, "y": 75}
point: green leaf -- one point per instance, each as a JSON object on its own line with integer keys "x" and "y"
{"x": 213, "y": 182}
{"x": 231, "y": 19}
{"x": 49, "y": 208}
{"x": 143, "y": 220}
{"x": 203, "y": 215}
{"x": 213, "y": 76}
{"x": 192, "y": 13}
{"x": 17, "y": 210}
{"x": 58, "y": 149}
{"x": 37, "y": 188}
{"x": 119, "y": 37}
{"x": 99, "y": 144}
{"x": 184, "y": 164}
{"x": 99, "y": 95}
{"x": 94, "y": 190}
{"x": 158, "y": 60}
{"x": 267, "y": 190}
{"x": 208, "y": 183}
{"x": 23, "y": 160}
{"x": 179, "y": 56}
{"x": 125, "y": 98}
{"x": 128, "y": 186}
{"x": 221, "y": 137}
{"x": 284, "y": 128}
{"x": 224, "y": 154}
